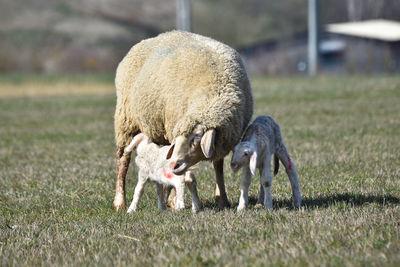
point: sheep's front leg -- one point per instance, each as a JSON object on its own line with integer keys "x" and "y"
{"x": 266, "y": 181}
{"x": 139, "y": 189}
{"x": 190, "y": 179}
{"x": 122, "y": 165}
{"x": 220, "y": 193}
{"x": 244, "y": 189}
{"x": 292, "y": 174}
{"x": 161, "y": 197}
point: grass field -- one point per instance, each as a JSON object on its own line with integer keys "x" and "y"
{"x": 57, "y": 181}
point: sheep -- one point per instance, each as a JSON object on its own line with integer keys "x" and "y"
{"x": 182, "y": 89}
{"x": 262, "y": 139}
{"x": 153, "y": 166}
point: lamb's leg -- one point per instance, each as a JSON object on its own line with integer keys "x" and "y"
{"x": 180, "y": 196}
{"x": 220, "y": 193}
{"x": 244, "y": 189}
{"x": 196, "y": 203}
{"x": 122, "y": 165}
{"x": 260, "y": 200}
{"x": 160, "y": 196}
{"x": 266, "y": 181}
{"x": 139, "y": 189}
{"x": 292, "y": 174}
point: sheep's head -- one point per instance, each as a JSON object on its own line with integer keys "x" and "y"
{"x": 186, "y": 151}
{"x": 244, "y": 153}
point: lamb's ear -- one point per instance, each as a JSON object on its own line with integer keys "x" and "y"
{"x": 253, "y": 163}
{"x": 207, "y": 143}
{"x": 136, "y": 140}
{"x": 170, "y": 151}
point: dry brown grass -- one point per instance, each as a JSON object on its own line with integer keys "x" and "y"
{"x": 43, "y": 88}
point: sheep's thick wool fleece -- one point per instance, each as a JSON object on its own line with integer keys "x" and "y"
{"x": 168, "y": 84}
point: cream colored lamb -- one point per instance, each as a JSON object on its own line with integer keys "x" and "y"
{"x": 183, "y": 89}
{"x": 261, "y": 140}
{"x": 153, "y": 166}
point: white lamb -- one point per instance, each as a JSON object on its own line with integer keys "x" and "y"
{"x": 153, "y": 166}
{"x": 262, "y": 139}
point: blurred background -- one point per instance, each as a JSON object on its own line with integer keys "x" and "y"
{"x": 92, "y": 36}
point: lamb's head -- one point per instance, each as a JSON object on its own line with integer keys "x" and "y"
{"x": 186, "y": 151}
{"x": 244, "y": 153}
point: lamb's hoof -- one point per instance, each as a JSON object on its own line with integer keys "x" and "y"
{"x": 197, "y": 209}
{"x": 241, "y": 208}
{"x": 194, "y": 211}
{"x": 296, "y": 206}
{"x": 179, "y": 205}
{"x": 259, "y": 206}
{"x": 119, "y": 203}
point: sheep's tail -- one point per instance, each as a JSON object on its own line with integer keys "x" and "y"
{"x": 276, "y": 165}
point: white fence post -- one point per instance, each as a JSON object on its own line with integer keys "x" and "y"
{"x": 312, "y": 38}
{"x": 183, "y": 15}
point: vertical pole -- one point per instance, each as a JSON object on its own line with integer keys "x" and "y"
{"x": 183, "y": 15}
{"x": 312, "y": 37}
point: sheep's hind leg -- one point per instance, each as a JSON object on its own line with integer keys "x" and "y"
{"x": 220, "y": 193}
{"x": 122, "y": 165}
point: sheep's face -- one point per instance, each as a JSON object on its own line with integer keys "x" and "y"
{"x": 188, "y": 150}
{"x": 244, "y": 154}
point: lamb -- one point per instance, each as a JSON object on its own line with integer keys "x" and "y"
{"x": 262, "y": 139}
{"x": 153, "y": 166}
{"x": 182, "y": 89}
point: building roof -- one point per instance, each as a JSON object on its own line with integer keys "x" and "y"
{"x": 385, "y": 30}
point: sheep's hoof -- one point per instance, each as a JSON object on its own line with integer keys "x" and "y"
{"x": 119, "y": 203}
{"x": 222, "y": 202}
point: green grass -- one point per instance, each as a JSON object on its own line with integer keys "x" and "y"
{"x": 57, "y": 185}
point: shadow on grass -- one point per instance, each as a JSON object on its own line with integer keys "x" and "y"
{"x": 351, "y": 199}
{"x": 325, "y": 201}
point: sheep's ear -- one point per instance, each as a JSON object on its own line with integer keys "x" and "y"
{"x": 253, "y": 163}
{"x": 207, "y": 143}
{"x": 170, "y": 151}
{"x": 136, "y": 141}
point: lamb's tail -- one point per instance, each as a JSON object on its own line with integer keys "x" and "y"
{"x": 276, "y": 165}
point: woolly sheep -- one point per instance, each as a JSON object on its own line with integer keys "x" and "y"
{"x": 185, "y": 89}
{"x": 262, "y": 139}
{"x": 153, "y": 166}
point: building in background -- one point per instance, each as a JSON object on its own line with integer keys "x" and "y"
{"x": 371, "y": 46}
